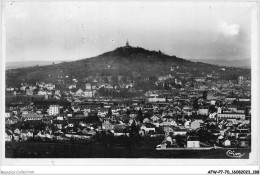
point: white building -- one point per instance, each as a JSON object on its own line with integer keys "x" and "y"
{"x": 156, "y": 99}
{"x": 42, "y": 93}
{"x": 88, "y": 86}
{"x": 50, "y": 86}
{"x": 240, "y": 80}
{"x": 54, "y": 110}
{"x": 203, "y": 111}
{"x": 8, "y": 115}
{"x": 79, "y": 92}
{"x": 89, "y": 93}
{"x": 232, "y": 116}
{"x": 73, "y": 86}
{"x": 193, "y": 144}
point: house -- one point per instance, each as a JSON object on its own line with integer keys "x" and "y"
{"x": 155, "y": 118}
{"x": 40, "y": 134}
{"x": 200, "y": 79}
{"x": 148, "y": 128}
{"x": 71, "y": 125}
{"x": 16, "y": 137}
{"x": 121, "y": 130}
{"x": 8, "y": 114}
{"x": 203, "y": 111}
{"x": 174, "y": 130}
{"x": 226, "y": 143}
{"x": 59, "y": 124}
{"x": 79, "y": 92}
{"x": 179, "y": 131}
{"x": 72, "y": 86}
{"x": 25, "y": 112}
{"x": 57, "y": 95}
{"x": 29, "y": 133}
{"x": 29, "y": 92}
{"x": 50, "y": 86}
{"x": 88, "y": 86}
{"x": 168, "y": 129}
{"x": 193, "y": 142}
{"x": 187, "y": 124}
{"x": 106, "y": 125}
{"x": 11, "y": 121}
{"x": 24, "y": 135}
{"x": 10, "y": 89}
{"x": 23, "y": 88}
{"x": 107, "y": 86}
{"x": 41, "y": 92}
{"x": 60, "y": 118}
{"x": 8, "y": 135}
{"x": 17, "y": 131}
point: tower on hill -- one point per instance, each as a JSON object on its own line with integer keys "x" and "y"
{"x": 127, "y": 43}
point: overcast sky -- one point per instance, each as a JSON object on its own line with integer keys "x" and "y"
{"x": 75, "y": 30}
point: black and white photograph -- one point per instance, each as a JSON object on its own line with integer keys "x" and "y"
{"x": 132, "y": 80}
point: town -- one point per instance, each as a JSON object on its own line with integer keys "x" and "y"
{"x": 202, "y": 112}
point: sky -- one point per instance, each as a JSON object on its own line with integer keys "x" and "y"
{"x": 52, "y": 31}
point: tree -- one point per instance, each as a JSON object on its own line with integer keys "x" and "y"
{"x": 205, "y": 93}
{"x": 124, "y": 79}
{"x": 178, "y": 86}
{"x": 106, "y": 80}
{"x": 109, "y": 114}
{"x": 128, "y": 112}
{"x": 212, "y": 108}
{"x": 140, "y": 115}
{"x": 195, "y": 104}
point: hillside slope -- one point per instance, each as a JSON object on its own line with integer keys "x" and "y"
{"x": 126, "y": 61}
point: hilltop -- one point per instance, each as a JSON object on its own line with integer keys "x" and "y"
{"x": 134, "y": 62}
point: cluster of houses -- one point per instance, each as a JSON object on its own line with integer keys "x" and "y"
{"x": 198, "y": 105}
{"x": 83, "y": 119}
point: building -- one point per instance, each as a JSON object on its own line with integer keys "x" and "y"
{"x": 29, "y": 92}
{"x": 8, "y": 136}
{"x": 240, "y": 80}
{"x": 79, "y": 92}
{"x": 107, "y": 126}
{"x": 232, "y": 116}
{"x": 88, "y": 86}
{"x": 90, "y": 105}
{"x": 127, "y": 44}
{"x": 8, "y": 114}
{"x": 193, "y": 144}
{"x": 32, "y": 117}
{"x": 54, "y": 110}
{"x": 156, "y": 99}
{"x": 42, "y": 93}
{"x": 50, "y": 87}
{"x": 203, "y": 111}
{"x": 89, "y": 93}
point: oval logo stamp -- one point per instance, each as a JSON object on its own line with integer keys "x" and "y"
{"x": 232, "y": 153}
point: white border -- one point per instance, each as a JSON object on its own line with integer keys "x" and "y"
{"x": 11, "y": 164}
